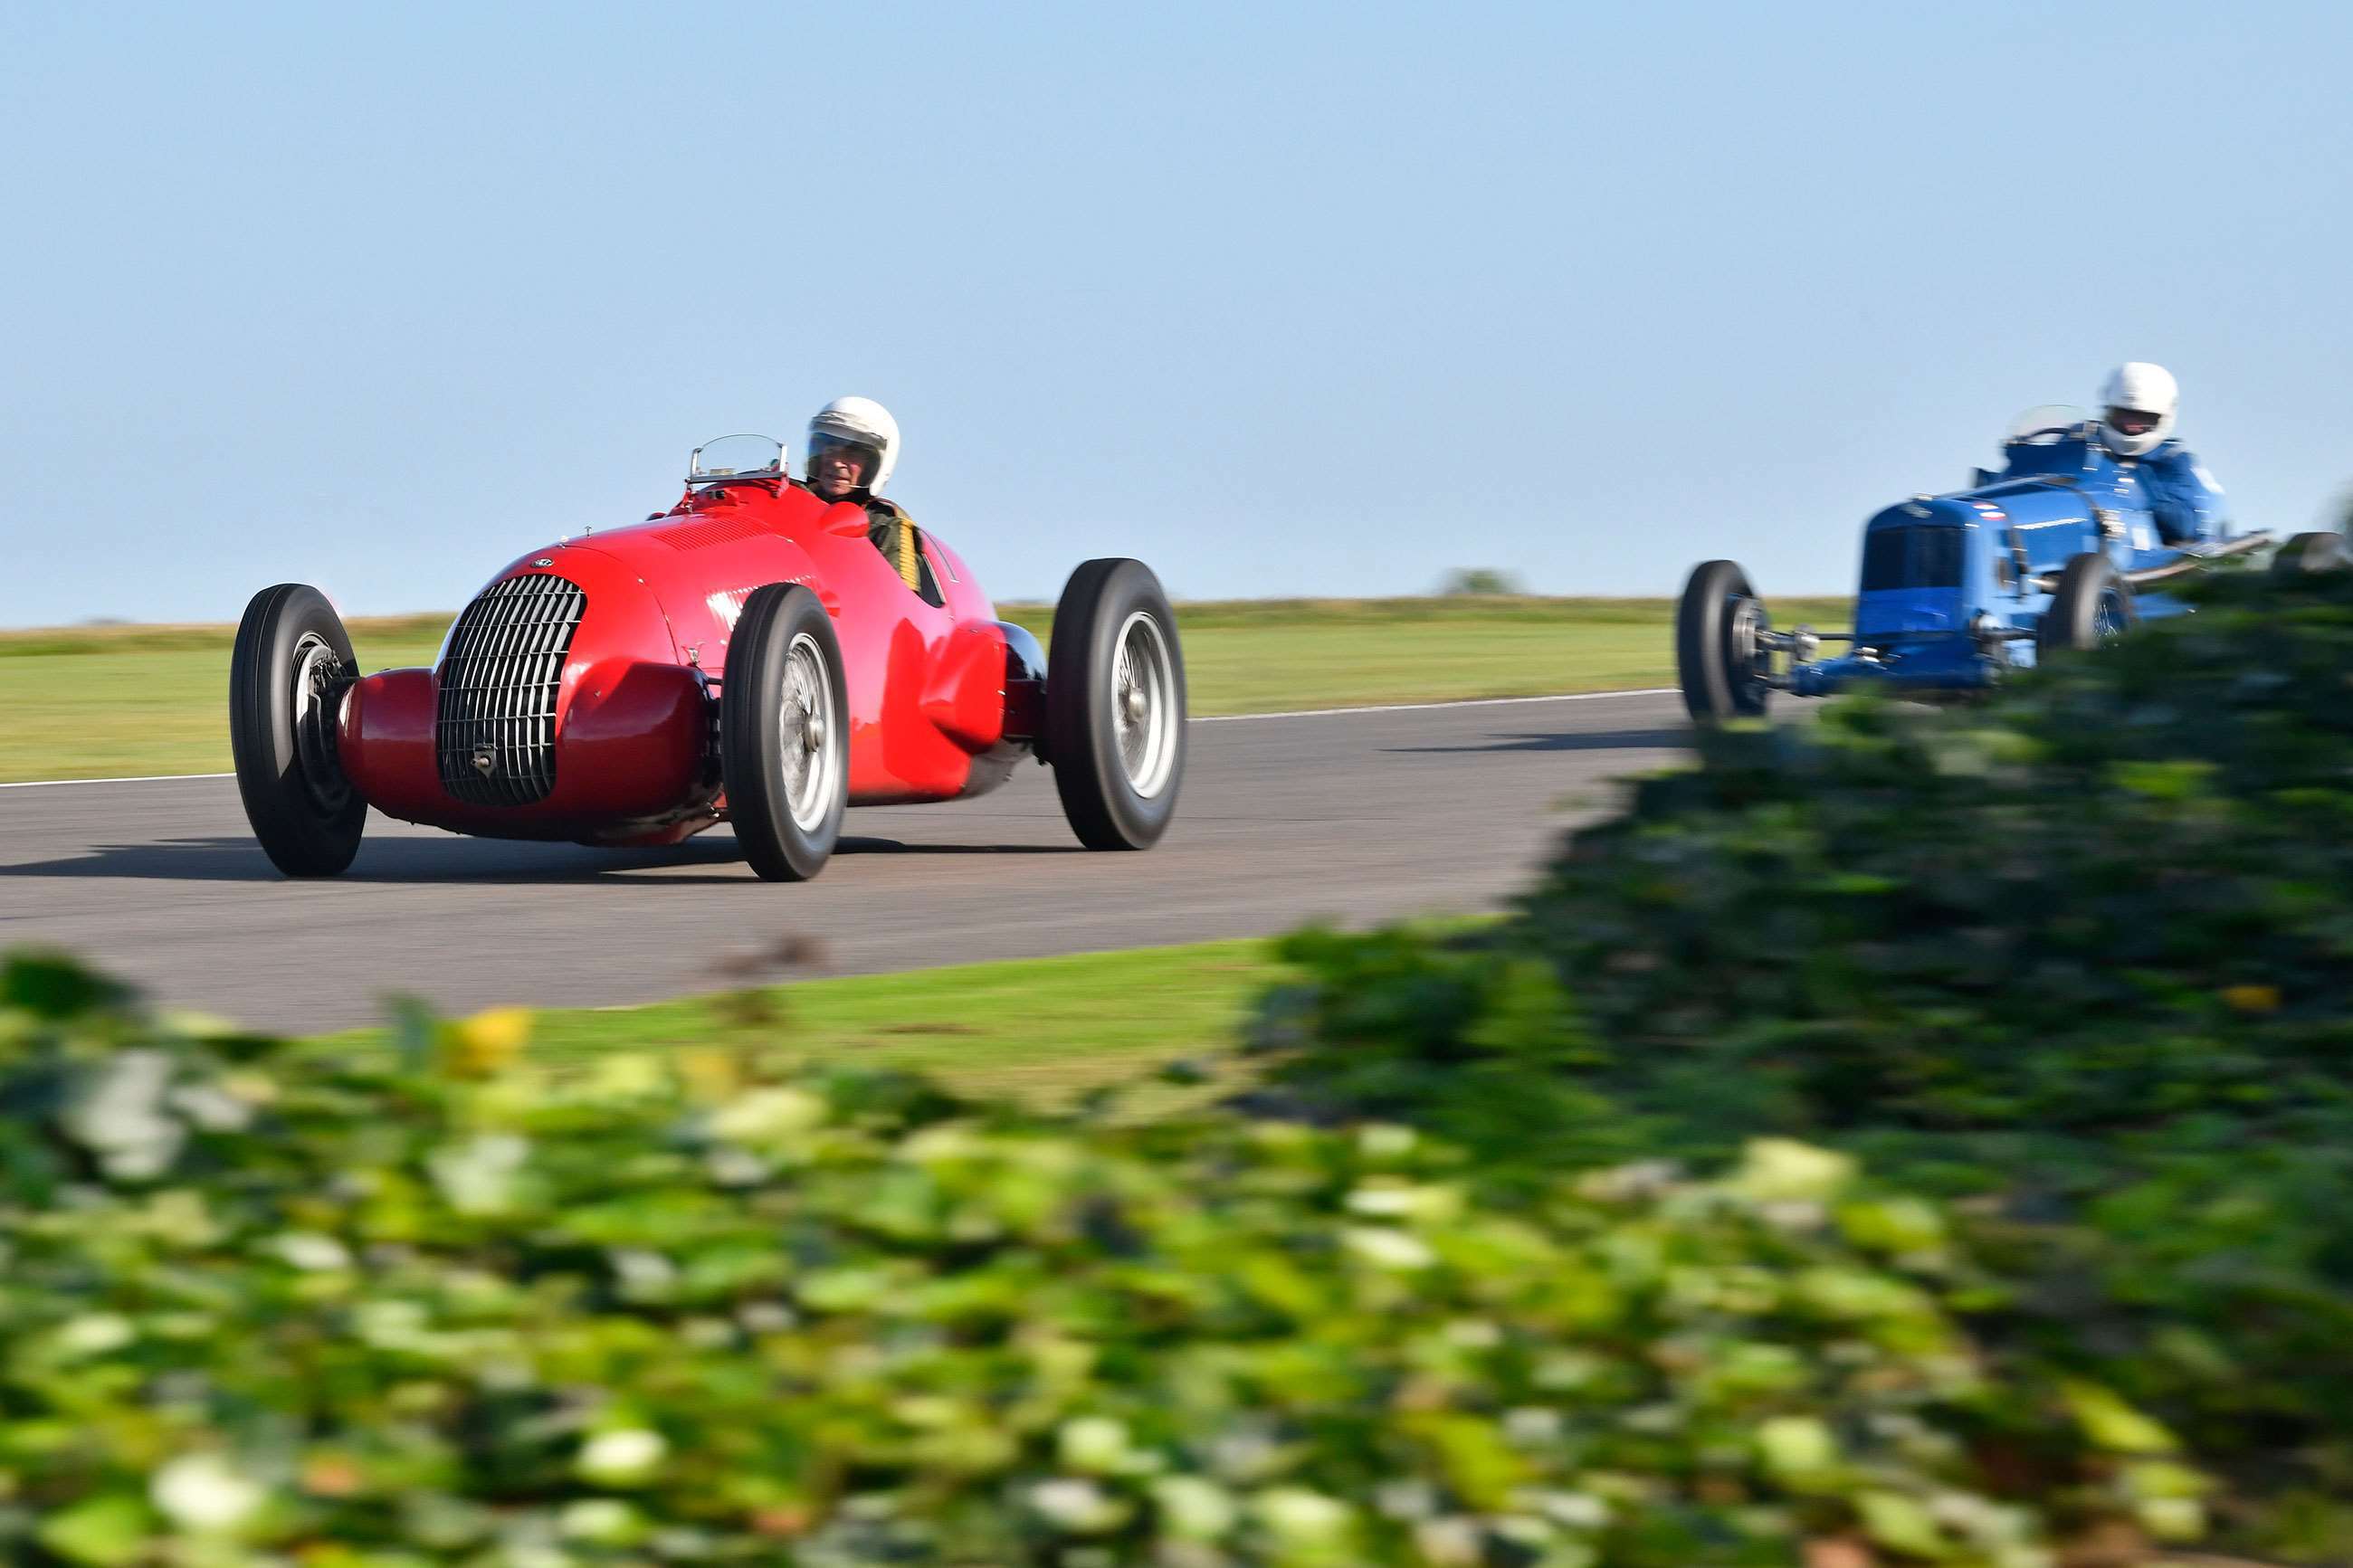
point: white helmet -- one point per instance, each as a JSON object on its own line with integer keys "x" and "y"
{"x": 856, "y": 422}
{"x": 2136, "y": 409}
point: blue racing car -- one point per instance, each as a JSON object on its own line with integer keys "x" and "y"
{"x": 2059, "y": 549}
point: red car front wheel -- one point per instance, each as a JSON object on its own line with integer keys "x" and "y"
{"x": 287, "y": 677}
{"x": 784, "y": 733}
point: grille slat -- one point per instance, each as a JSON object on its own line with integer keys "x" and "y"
{"x": 498, "y": 689}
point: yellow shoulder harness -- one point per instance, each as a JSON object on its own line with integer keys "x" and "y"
{"x": 910, "y": 571}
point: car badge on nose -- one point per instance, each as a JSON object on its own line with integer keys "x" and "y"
{"x": 545, "y": 561}
{"x": 485, "y": 760}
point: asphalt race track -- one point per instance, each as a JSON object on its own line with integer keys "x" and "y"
{"x": 1353, "y": 816}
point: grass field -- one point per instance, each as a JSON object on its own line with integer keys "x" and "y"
{"x": 1042, "y": 1030}
{"x": 109, "y": 701}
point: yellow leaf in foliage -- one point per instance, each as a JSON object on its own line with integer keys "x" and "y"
{"x": 103, "y": 1531}
{"x": 768, "y": 1116}
{"x": 1193, "y": 1507}
{"x": 1479, "y": 1465}
{"x": 479, "y": 1046}
{"x": 624, "y": 1458}
{"x": 1900, "y": 1524}
{"x": 1304, "y": 1525}
{"x": 206, "y": 1494}
{"x": 1797, "y": 1448}
{"x": 2171, "y": 1519}
{"x": 2164, "y": 780}
{"x": 2113, "y": 1425}
{"x": 2252, "y": 998}
{"x": 710, "y": 1076}
{"x": 1095, "y": 1445}
{"x": 2149, "y": 1478}
{"x": 627, "y": 1075}
{"x": 1782, "y": 1170}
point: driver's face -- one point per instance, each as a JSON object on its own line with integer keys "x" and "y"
{"x": 836, "y": 471}
{"x": 2132, "y": 421}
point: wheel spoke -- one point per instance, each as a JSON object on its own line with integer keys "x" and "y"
{"x": 318, "y": 679}
{"x": 808, "y": 738}
{"x": 1144, "y": 704}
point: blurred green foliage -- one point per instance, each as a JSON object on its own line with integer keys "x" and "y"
{"x": 453, "y": 1301}
{"x": 2078, "y": 960}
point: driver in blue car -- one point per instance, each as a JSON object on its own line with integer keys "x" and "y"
{"x": 854, "y": 445}
{"x": 2137, "y": 415}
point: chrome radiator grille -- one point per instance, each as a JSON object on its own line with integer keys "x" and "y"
{"x": 495, "y": 733}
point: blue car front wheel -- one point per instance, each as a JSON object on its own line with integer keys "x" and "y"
{"x": 1720, "y": 656}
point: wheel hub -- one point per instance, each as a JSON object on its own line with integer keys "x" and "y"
{"x": 320, "y": 682}
{"x": 1750, "y": 658}
{"x": 1143, "y": 705}
{"x": 805, "y": 759}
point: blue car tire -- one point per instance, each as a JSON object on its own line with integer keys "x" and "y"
{"x": 2092, "y": 604}
{"x": 1718, "y": 661}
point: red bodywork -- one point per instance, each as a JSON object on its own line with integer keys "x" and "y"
{"x": 944, "y": 700}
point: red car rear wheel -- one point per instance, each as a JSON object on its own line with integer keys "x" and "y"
{"x": 1115, "y": 705}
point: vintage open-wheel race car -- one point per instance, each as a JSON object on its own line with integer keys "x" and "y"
{"x": 2059, "y": 549}
{"x": 748, "y": 658}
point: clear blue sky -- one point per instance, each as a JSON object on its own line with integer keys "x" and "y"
{"x": 1282, "y": 298}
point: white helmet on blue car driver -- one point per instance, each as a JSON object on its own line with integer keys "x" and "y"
{"x": 2136, "y": 409}
{"x": 859, "y": 422}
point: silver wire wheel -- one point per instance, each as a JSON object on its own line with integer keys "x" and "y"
{"x": 2108, "y": 620}
{"x": 809, "y": 734}
{"x": 1143, "y": 706}
{"x": 321, "y": 679}
{"x": 1114, "y": 727}
{"x": 784, "y": 737}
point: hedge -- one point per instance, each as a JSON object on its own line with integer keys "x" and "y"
{"x": 450, "y": 1303}
{"x": 2078, "y": 959}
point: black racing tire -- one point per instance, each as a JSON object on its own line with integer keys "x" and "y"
{"x": 2092, "y": 604}
{"x": 2313, "y": 552}
{"x": 784, "y": 733}
{"x": 1115, "y": 705}
{"x": 286, "y": 676}
{"x": 1718, "y": 662}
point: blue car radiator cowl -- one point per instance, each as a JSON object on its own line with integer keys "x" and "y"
{"x": 1914, "y": 563}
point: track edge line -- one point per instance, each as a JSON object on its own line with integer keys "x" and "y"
{"x": 1207, "y": 718}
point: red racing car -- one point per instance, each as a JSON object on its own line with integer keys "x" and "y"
{"x": 748, "y": 658}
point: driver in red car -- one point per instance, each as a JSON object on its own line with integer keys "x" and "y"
{"x": 854, "y": 445}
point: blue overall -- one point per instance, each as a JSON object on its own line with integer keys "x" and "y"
{"x": 2183, "y": 497}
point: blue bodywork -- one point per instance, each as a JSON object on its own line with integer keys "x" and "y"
{"x": 1953, "y": 586}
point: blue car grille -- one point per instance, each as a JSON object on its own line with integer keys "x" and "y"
{"x": 1911, "y": 557}
{"x": 495, "y": 732}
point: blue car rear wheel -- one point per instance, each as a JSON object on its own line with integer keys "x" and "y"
{"x": 2092, "y": 604}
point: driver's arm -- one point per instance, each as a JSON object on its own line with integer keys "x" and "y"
{"x": 2185, "y": 499}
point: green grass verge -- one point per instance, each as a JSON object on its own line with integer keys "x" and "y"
{"x": 107, "y": 701}
{"x": 121, "y": 701}
{"x": 1042, "y": 1030}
